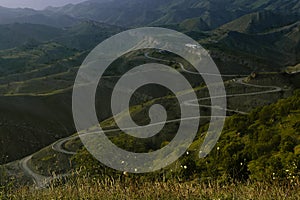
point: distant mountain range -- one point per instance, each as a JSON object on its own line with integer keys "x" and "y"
{"x": 132, "y": 13}
{"x": 11, "y": 15}
{"x": 260, "y": 33}
{"x": 156, "y": 12}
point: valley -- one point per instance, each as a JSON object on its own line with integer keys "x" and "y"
{"x": 43, "y": 178}
{"x": 255, "y": 45}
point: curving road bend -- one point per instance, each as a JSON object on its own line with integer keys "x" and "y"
{"x": 58, "y": 146}
{"x": 39, "y": 180}
{"x": 42, "y": 181}
{"x": 191, "y": 72}
{"x": 271, "y": 89}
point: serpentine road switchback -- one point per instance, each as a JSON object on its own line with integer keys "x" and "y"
{"x": 42, "y": 181}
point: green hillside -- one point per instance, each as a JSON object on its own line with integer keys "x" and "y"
{"x": 260, "y": 22}
{"x": 262, "y": 41}
{"x": 194, "y": 24}
{"x": 263, "y": 146}
{"x": 31, "y": 123}
{"x": 87, "y": 34}
{"x": 261, "y": 149}
{"x": 277, "y": 49}
{"x": 12, "y": 35}
{"x": 83, "y": 35}
{"x": 42, "y": 161}
{"x": 38, "y": 72}
{"x": 28, "y": 61}
{"x": 35, "y": 87}
{"x": 36, "y": 81}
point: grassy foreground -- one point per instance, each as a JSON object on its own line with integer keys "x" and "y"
{"x": 129, "y": 189}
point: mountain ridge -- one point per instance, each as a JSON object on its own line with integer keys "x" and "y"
{"x": 215, "y": 13}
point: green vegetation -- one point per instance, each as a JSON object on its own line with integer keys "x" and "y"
{"x": 262, "y": 146}
{"x": 36, "y": 81}
{"x": 260, "y": 22}
{"x": 194, "y": 24}
{"x": 139, "y": 113}
{"x": 127, "y": 188}
{"x": 12, "y": 35}
{"x": 31, "y": 123}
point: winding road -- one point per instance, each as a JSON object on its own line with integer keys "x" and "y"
{"x": 42, "y": 181}
{"x": 39, "y": 180}
{"x": 191, "y": 72}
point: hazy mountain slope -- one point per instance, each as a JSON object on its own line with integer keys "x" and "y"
{"x": 235, "y": 53}
{"x": 259, "y": 22}
{"x": 262, "y": 40}
{"x": 87, "y": 34}
{"x": 194, "y": 24}
{"x": 12, "y": 35}
{"x": 277, "y": 48}
{"x": 10, "y": 15}
{"x": 50, "y": 20}
{"x": 83, "y": 35}
{"x": 125, "y": 13}
{"x": 6, "y": 13}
